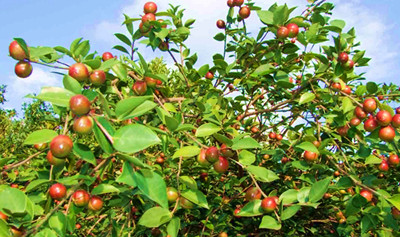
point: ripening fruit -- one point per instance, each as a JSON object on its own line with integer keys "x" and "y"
{"x": 201, "y": 158}
{"x": 186, "y": 204}
{"x": 143, "y": 29}
{"x": 209, "y": 75}
{"x": 360, "y": 113}
{"x": 16, "y": 51}
{"x": 293, "y": 30}
{"x": 79, "y": 71}
{"x": 222, "y": 165}
{"x": 221, "y": 24}
{"x": 160, "y": 160}
{"x": 244, "y": 12}
{"x": 282, "y": 32}
{"x": 354, "y": 122}
{"x": 3, "y": 216}
{"x": 204, "y": 177}
{"x": 383, "y": 166}
{"x": 336, "y": 86}
{"x": 54, "y": 160}
{"x": 238, "y": 3}
{"x": 17, "y": 232}
{"x": 369, "y": 105}
{"x": 95, "y": 203}
{"x": 370, "y": 124}
{"x": 316, "y": 143}
{"x": 80, "y": 198}
{"x": 98, "y": 77}
{"x": 347, "y": 90}
{"x": 40, "y": 146}
{"x": 348, "y": 65}
{"x": 163, "y": 46}
{"x": 150, "y": 7}
{"x": 226, "y": 151}
{"x": 23, "y": 69}
{"x": 310, "y": 156}
{"x": 269, "y": 204}
{"x": 387, "y": 134}
{"x": 148, "y": 17}
{"x": 57, "y": 191}
{"x": 230, "y": 3}
{"x": 236, "y": 212}
{"x": 395, "y": 213}
{"x": 83, "y": 124}
{"x": 212, "y": 154}
{"x": 79, "y": 105}
{"x": 394, "y": 160}
{"x": 106, "y": 56}
{"x": 343, "y": 57}
{"x": 78, "y": 226}
{"x": 223, "y": 234}
{"x": 383, "y": 118}
{"x": 366, "y": 194}
{"x": 61, "y": 146}
{"x": 396, "y": 121}
{"x": 254, "y": 129}
{"x": 279, "y": 137}
{"x": 139, "y": 87}
{"x": 150, "y": 82}
{"x": 172, "y": 194}
{"x": 343, "y": 130}
{"x": 272, "y": 135}
{"x": 253, "y": 194}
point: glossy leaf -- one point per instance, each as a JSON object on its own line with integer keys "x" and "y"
{"x": 40, "y": 136}
{"x": 134, "y": 138}
{"x": 154, "y": 217}
{"x": 152, "y": 185}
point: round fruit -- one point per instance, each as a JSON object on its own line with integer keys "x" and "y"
{"x": 139, "y": 87}
{"x": 79, "y": 105}
{"x": 209, "y": 75}
{"x": 223, "y": 234}
{"x": 16, "y": 51}
{"x": 279, "y": 137}
{"x": 387, "y": 134}
{"x": 23, "y": 69}
{"x": 204, "y": 177}
{"x": 347, "y": 90}
{"x": 244, "y": 12}
{"x": 343, "y": 130}
{"x": 172, "y": 194}
{"x": 148, "y": 17}
{"x": 360, "y": 113}
{"x": 254, "y": 129}
{"x": 396, "y": 121}
{"x": 366, "y": 194}
{"x": 58, "y": 191}
{"x": 186, "y": 204}
{"x": 106, "y": 56}
{"x": 212, "y": 154}
{"x": 150, "y": 82}
{"x": 370, "y": 124}
{"x": 383, "y": 118}
{"x": 343, "y": 57}
{"x": 40, "y": 146}
{"x": 61, "y": 146}
{"x": 95, "y": 203}
{"x": 316, "y": 143}
{"x": 163, "y": 46}
{"x": 222, "y": 165}
{"x": 78, "y": 226}
{"x": 79, "y": 71}
{"x": 3, "y": 216}
{"x": 80, "y": 198}
{"x": 348, "y": 65}
{"x": 336, "y": 86}
{"x": 383, "y": 166}
{"x": 293, "y": 30}
{"x": 236, "y": 212}
{"x": 369, "y": 105}
{"x": 226, "y": 151}
{"x": 143, "y": 29}
{"x": 253, "y": 194}
{"x": 354, "y": 122}
{"x": 201, "y": 158}
{"x": 98, "y": 77}
{"x": 230, "y": 3}
{"x": 83, "y": 124}
{"x": 16, "y": 232}
{"x": 160, "y": 160}
{"x": 54, "y": 160}
{"x": 395, "y": 213}
{"x": 150, "y": 7}
{"x": 269, "y": 204}
{"x": 394, "y": 160}
{"x": 221, "y": 24}
{"x": 310, "y": 156}
{"x": 282, "y": 32}
{"x": 238, "y": 3}
{"x": 272, "y": 135}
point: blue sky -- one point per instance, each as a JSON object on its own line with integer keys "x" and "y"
{"x": 52, "y": 23}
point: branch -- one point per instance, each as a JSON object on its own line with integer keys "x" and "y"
{"x": 24, "y": 161}
{"x": 109, "y": 137}
{"x": 180, "y": 68}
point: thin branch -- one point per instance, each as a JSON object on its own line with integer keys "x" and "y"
{"x": 109, "y": 137}
{"x": 97, "y": 222}
{"x": 195, "y": 140}
{"x": 24, "y": 161}
{"x": 180, "y": 68}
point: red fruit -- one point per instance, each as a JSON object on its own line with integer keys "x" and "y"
{"x": 186, "y": 204}
{"x": 347, "y": 90}
{"x": 310, "y": 156}
{"x": 148, "y": 17}
{"x": 80, "y": 198}
{"x": 253, "y": 194}
{"x": 209, "y": 75}
{"x": 78, "y": 226}
{"x": 236, "y": 212}
{"x": 226, "y": 151}
{"x": 221, "y": 24}
{"x": 396, "y": 121}
{"x": 395, "y": 213}
{"x": 95, "y": 203}
{"x": 383, "y": 166}
{"x": 61, "y": 146}
{"x": 370, "y": 124}
{"x": 212, "y": 154}
{"x": 79, "y": 105}
{"x": 360, "y": 113}
{"x": 284, "y": 160}
{"x": 343, "y": 130}
{"x": 83, "y": 125}
{"x": 3, "y": 216}
{"x": 238, "y": 3}
{"x": 16, "y": 51}
{"x": 201, "y": 158}
{"x": 23, "y": 69}
{"x": 383, "y": 118}
{"x": 348, "y": 65}
{"x": 254, "y": 129}
{"x": 293, "y": 30}
{"x": 369, "y": 105}
{"x": 106, "y": 56}
{"x": 79, "y": 71}
{"x": 151, "y": 82}
{"x": 98, "y": 77}
{"x": 172, "y": 194}
{"x": 40, "y": 146}
{"x": 398, "y": 110}
{"x": 380, "y": 97}
{"x": 161, "y": 21}
{"x": 244, "y": 12}
{"x": 139, "y": 87}
{"x": 366, "y": 194}
{"x": 279, "y": 137}
{"x": 204, "y": 177}
{"x": 222, "y": 165}
{"x": 394, "y": 160}
{"x": 17, "y": 232}
{"x": 282, "y": 32}
{"x": 54, "y": 160}
{"x": 163, "y": 46}
{"x": 316, "y": 143}
{"x": 58, "y": 191}
{"x": 343, "y": 57}
{"x": 268, "y": 204}
{"x": 158, "y": 82}
{"x": 336, "y": 86}
{"x": 230, "y": 3}
{"x": 272, "y": 135}
{"x": 150, "y": 7}
{"x": 387, "y": 134}
{"x": 355, "y": 122}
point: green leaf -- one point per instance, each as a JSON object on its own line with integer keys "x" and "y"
{"x": 252, "y": 208}
{"x": 174, "y": 226}
{"x": 281, "y": 15}
{"x": 40, "y": 136}
{"x": 347, "y": 105}
{"x": 134, "y": 138}
{"x": 289, "y": 196}
{"x": 262, "y": 174}
{"x": 395, "y": 200}
{"x": 55, "y": 95}
{"x": 188, "y": 181}
{"x": 154, "y": 217}
{"x": 207, "y": 130}
{"x": 372, "y": 87}
{"x": 127, "y": 175}
{"x": 372, "y": 160}
{"x": 120, "y": 70}
{"x": 203, "y": 70}
{"x": 46, "y": 233}
{"x": 318, "y": 189}
{"x": 23, "y": 45}
{"x": 289, "y": 212}
{"x": 306, "y": 98}
{"x": 311, "y": 33}
{"x": 196, "y": 196}
{"x": 36, "y": 183}
{"x": 123, "y": 38}
{"x": 102, "y": 139}
{"x": 4, "y": 230}
{"x": 125, "y": 107}
{"x": 266, "y": 17}
{"x": 245, "y": 143}
{"x": 246, "y": 157}
{"x": 121, "y": 48}
{"x": 72, "y": 85}
{"x": 189, "y": 22}
{"x": 133, "y": 160}
{"x": 84, "y": 153}
{"x": 338, "y": 23}
{"x": 187, "y": 151}
{"x": 58, "y": 222}
{"x": 152, "y": 185}
{"x": 307, "y": 146}
{"x": 143, "y": 62}
{"x": 263, "y": 70}
{"x": 268, "y": 222}
{"x": 219, "y": 37}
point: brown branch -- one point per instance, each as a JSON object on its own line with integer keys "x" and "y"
{"x": 195, "y": 140}
{"x": 97, "y": 222}
{"x": 109, "y": 137}
{"x": 24, "y": 161}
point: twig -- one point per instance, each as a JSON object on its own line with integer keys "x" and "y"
{"x": 24, "y": 161}
{"x": 180, "y": 68}
{"x": 177, "y": 184}
{"x": 66, "y": 124}
{"x": 109, "y": 137}
{"x": 195, "y": 140}
{"x": 97, "y": 222}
